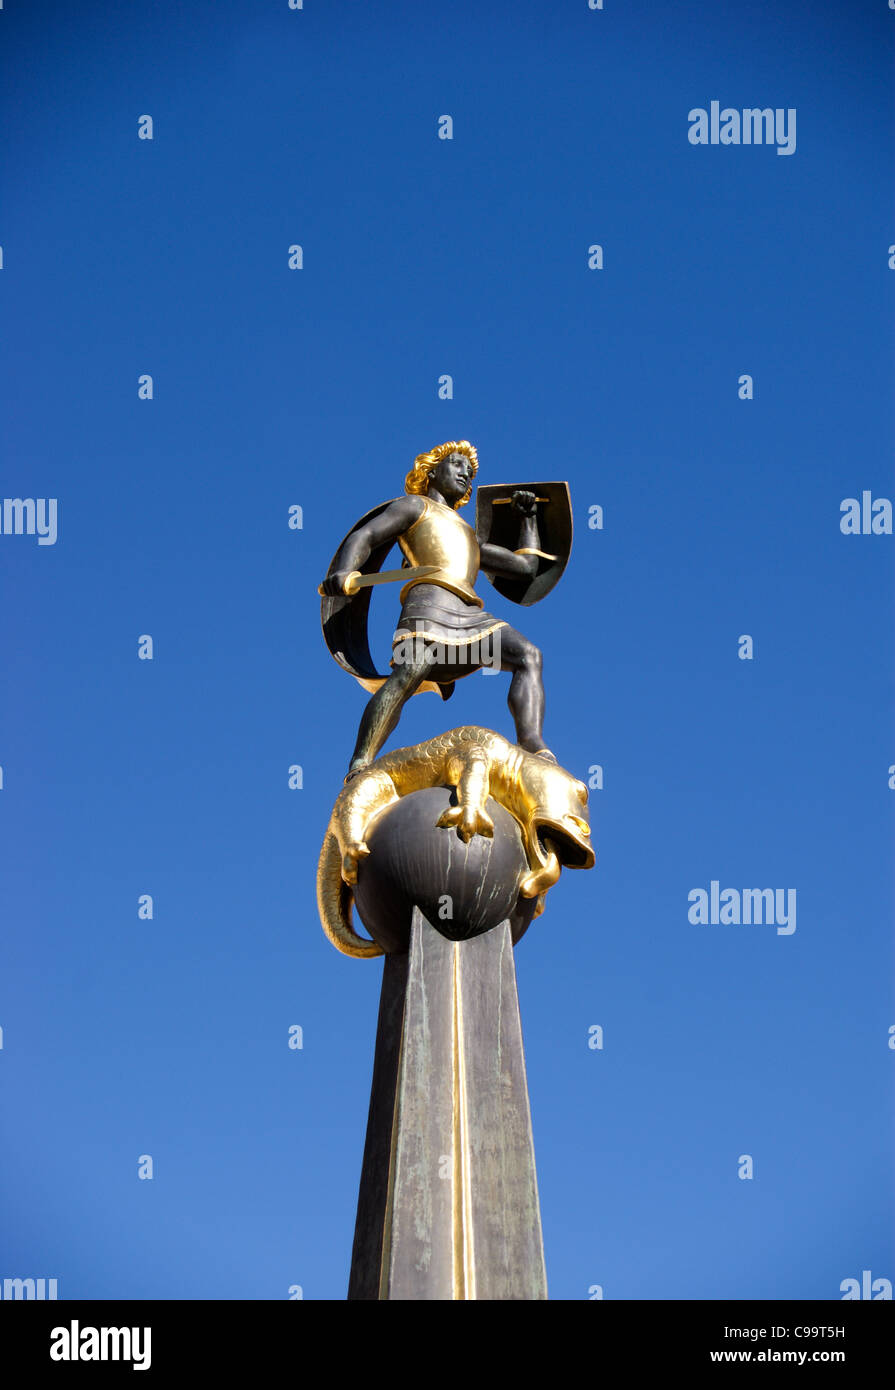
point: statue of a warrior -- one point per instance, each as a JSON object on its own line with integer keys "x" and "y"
{"x": 521, "y": 543}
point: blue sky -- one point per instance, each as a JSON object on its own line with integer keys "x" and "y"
{"x": 317, "y": 387}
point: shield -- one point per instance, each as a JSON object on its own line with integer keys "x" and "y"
{"x": 497, "y": 522}
{"x": 344, "y": 618}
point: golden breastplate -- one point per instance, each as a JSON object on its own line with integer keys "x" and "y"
{"x": 440, "y": 537}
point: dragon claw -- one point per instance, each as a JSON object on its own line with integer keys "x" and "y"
{"x": 469, "y": 821}
{"x": 350, "y": 861}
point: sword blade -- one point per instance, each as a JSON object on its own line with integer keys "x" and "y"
{"x": 365, "y": 581}
{"x": 356, "y": 580}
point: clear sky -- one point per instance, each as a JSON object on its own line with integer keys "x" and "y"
{"x": 275, "y": 387}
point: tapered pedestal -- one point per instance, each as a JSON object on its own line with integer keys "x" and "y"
{"x": 448, "y": 1203}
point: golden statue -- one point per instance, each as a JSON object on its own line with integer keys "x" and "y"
{"x": 443, "y": 632}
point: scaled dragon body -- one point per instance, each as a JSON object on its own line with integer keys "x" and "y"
{"x": 548, "y": 803}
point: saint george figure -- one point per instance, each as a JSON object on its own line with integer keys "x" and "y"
{"x": 443, "y": 632}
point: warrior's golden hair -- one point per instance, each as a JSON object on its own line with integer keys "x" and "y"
{"x": 417, "y": 479}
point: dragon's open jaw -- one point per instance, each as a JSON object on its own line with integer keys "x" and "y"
{"x": 568, "y": 837}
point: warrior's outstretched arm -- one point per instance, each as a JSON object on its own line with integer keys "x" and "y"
{"x": 496, "y": 559}
{"x": 355, "y": 550}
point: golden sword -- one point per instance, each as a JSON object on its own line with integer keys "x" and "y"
{"x": 355, "y": 580}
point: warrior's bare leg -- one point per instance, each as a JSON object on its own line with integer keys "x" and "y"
{"x": 526, "y": 693}
{"x": 383, "y": 710}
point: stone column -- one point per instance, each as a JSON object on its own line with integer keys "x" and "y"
{"x": 448, "y": 1203}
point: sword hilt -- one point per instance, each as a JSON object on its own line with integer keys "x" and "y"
{"x": 505, "y": 501}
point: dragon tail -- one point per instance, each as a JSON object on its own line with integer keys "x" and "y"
{"x": 334, "y": 899}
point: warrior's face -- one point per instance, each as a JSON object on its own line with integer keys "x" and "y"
{"x": 452, "y": 476}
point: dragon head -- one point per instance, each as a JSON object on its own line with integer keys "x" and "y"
{"x": 554, "y": 820}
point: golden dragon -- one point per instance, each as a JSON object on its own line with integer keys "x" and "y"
{"x": 548, "y": 803}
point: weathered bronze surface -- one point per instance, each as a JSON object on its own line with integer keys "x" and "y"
{"x": 465, "y": 887}
{"x": 448, "y": 1202}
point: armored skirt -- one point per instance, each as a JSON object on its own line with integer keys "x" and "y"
{"x": 455, "y": 637}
